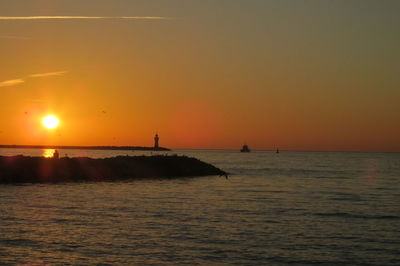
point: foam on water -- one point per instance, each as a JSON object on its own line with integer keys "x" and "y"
{"x": 299, "y": 208}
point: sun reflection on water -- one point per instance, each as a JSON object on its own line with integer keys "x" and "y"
{"x": 48, "y": 153}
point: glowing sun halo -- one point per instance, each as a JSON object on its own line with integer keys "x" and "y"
{"x": 50, "y": 122}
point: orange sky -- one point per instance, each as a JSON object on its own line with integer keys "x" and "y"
{"x": 321, "y": 75}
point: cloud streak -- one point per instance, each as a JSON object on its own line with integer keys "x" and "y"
{"x": 83, "y": 18}
{"x": 13, "y": 82}
{"x": 42, "y": 75}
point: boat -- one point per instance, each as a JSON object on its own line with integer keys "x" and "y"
{"x": 245, "y": 148}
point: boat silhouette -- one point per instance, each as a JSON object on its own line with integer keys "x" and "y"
{"x": 245, "y": 148}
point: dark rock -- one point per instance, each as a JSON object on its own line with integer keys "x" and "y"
{"x": 23, "y": 169}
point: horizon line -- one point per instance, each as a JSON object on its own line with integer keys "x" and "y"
{"x": 83, "y": 17}
{"x": 6, "y": 146}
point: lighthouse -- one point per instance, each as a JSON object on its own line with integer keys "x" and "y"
{"x": 156, "y": 138}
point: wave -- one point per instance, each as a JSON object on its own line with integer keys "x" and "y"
{"x": 314, "y": 173}
{"x": 358, "y": 216}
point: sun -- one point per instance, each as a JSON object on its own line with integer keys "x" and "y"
{"x": 50, "y": 122}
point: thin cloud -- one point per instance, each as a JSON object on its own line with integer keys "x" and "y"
{"x": 14, "y": 82}
{"x": 14, "y": 37}
{"x": 11, "y": 82}
{"x": 82, "y": 18}
{"x": 49, "y": 74}
{"x": 34, "y": 100}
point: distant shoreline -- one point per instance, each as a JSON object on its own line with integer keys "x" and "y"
{"x": 115, "y": 148}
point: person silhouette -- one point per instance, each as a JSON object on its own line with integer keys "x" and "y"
{"x": 55, "y": 154}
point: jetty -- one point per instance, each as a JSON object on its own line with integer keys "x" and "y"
{"x": 26, "y": 169}
{"x": 60, "y": 147}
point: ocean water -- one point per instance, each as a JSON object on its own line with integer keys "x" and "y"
{"x": 298, "y": 208}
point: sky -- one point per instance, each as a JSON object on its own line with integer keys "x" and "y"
{"x": 203, "y": 74}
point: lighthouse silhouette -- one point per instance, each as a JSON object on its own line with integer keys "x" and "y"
{"x": 156, "y": 139}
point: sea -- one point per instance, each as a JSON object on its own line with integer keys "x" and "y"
{"x": 291, "y": 208}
